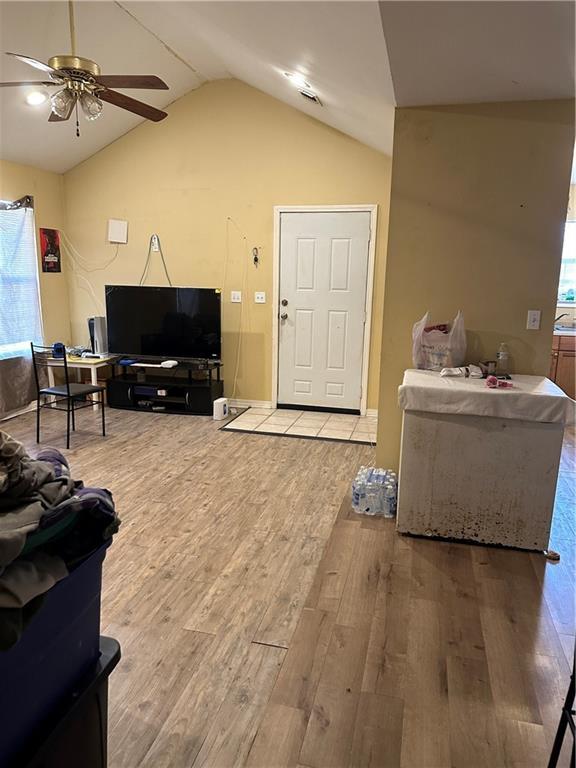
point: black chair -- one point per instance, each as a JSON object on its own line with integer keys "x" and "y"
{"x": 74, "y": 395}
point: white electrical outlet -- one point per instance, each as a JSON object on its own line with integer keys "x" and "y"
{"x": 259, "y": 297}
{"x": 533, "y": 320}
{"x": 236, "y": 297}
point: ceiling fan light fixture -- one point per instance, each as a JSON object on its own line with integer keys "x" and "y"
{"x": 36, "y": 98}
{"x": 62, "y": 103}
{"x": 91, "y": 106}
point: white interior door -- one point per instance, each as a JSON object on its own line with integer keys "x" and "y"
{"x": 323, "y": 282}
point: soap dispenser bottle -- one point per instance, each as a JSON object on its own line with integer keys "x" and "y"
{"x": 502, "y": 360}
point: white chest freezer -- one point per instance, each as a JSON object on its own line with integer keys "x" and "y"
{"x": 480, "y": 464}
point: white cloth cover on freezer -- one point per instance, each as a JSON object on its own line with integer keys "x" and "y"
{"x": 532, "y": 398}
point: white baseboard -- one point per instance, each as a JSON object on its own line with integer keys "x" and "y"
{"x": 250, "y": 403}
{"x": 372, "y": 412}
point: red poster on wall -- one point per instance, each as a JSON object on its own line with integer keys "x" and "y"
{"x": 50, "y": 250}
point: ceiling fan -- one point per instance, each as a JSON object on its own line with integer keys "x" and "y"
{"x": 81, "y": 82}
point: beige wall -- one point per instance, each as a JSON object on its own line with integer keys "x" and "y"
{"x": 206, "y": 180}
{"x": 16, "y": 181}
{"x": 478, "y": 203}
{"x": 571, "y": 213}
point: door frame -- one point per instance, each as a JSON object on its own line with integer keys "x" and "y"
{"x": 372, "y": 209}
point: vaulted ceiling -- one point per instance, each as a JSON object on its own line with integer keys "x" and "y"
{"x": 477, "y": 51}
{"x": 361, "y": 58}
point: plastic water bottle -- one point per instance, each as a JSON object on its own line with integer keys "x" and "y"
{"x": 389, "y": 506}
{"x": 356, "y": 491}
{"x": 359, "y": 490}
{"x": 372, "y": 501}
{"x": 395, "y": 500}
{"x": 382, "y": 480}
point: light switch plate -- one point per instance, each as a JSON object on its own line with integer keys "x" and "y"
{"x": 236, "y": 297}
{"x": 259, "y": 297}
{"x": 533, "y": 320}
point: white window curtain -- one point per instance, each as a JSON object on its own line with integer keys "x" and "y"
{"x": 20, "y": 317}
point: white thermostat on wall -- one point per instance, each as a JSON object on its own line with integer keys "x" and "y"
{"x": 117, "y": 231}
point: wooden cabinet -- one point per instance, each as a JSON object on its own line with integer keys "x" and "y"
{"x": 563, "y": 364}
{"x": 553, "y": 365}
{"x": 566, "y": 372}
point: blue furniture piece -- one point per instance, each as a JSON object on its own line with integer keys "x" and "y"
{"x": 58, "y": 650}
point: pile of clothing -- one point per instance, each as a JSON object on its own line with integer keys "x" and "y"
{"x": 49, "y": 523}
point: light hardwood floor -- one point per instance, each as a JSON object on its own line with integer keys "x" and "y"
{"x": 263, "y": 624}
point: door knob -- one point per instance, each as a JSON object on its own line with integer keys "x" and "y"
{"x": 284, "y": 302}
{"x": 284, "y": 316}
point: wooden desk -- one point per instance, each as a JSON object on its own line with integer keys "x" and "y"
{"x": 92, "y": 364}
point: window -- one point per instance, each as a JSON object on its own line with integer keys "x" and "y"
{"x": 20, "y": 320}
{"x": 567, "y": 285}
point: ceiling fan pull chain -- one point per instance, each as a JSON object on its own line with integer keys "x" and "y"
{"x": 77, "y": 123}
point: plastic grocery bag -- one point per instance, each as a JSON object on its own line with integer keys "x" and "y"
{"x": 441, "y": 346}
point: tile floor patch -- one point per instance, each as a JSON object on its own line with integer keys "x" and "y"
{"x": 303, "y": 431}
{"x": 312, "y": 424}
{"x": 364, "y": 427}
{"x": 275, "y": 428}
{"x": 336, "y": 434}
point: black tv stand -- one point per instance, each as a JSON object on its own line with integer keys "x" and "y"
{"x": 189, "y": 388}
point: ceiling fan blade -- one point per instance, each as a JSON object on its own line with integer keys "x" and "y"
{"x": 132, "y": 81}
{"x": 35, "y": 63}
{"x": 29, "y": 82}
{"x": 132, "y": 105}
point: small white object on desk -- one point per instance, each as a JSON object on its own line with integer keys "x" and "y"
{"x": 163, "y": 364}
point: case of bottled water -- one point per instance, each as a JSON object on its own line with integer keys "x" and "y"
{"x": 374, "y": 492}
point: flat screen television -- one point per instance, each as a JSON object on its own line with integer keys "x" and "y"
{"x": 163, "y": 322}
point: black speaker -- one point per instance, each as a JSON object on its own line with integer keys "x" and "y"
{"x": 119, "y": 394}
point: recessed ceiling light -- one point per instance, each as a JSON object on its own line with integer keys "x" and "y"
{"x": 297, "y": 80}
{"x": 35, "y": 98}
